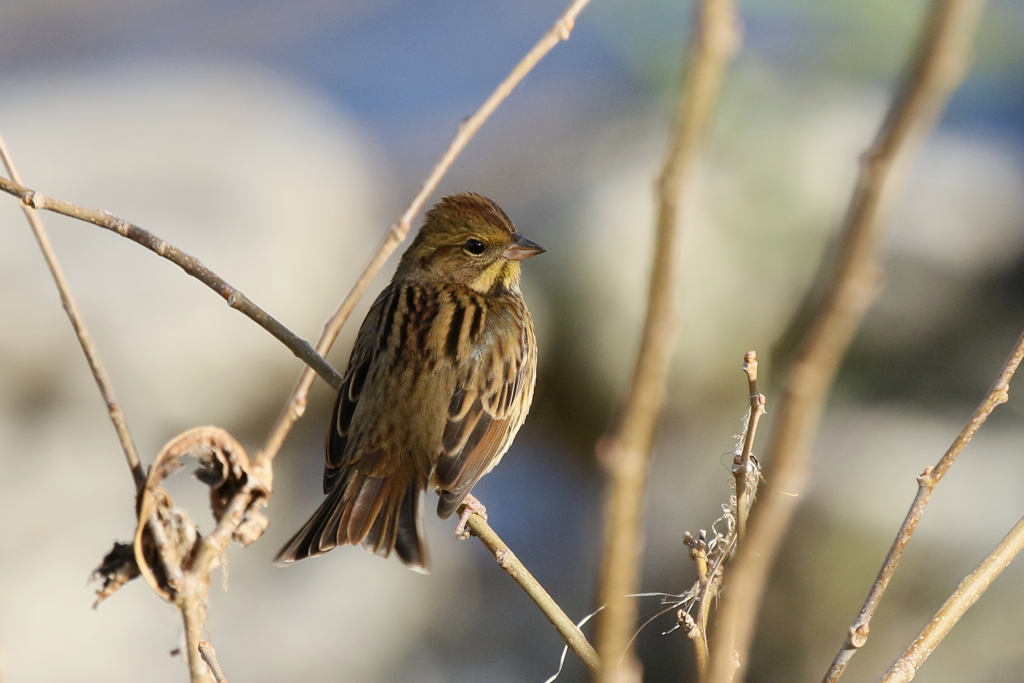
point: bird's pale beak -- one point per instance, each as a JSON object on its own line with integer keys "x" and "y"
{"x": 522, "y": 248}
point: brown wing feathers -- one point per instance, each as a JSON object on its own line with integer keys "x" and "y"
{"x": 481, "y": 420}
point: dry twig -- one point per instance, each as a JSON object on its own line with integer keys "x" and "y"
{"x": 627, "y": 449}
{"x": 92, "y": 355}
{"x": 235, "y": 498}
{"x": 191, "y": 265}
{"x": 849, "y": 285}
{"x": 926, "y": 483}
{"x": 743, "y": 469}
{"x": 711, "y": 552}
{"x": 570, "y": 632}
{"x": 171, "y": 535}
{"x": 965, "y": 595}
{"x": 210, "y": 657}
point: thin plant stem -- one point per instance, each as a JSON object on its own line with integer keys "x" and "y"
{"x": 711, "y": 563}
{"x": 857, "y": 635}
{"x": 92, "y": 356}
{"x": 210, "y": 657}
{"x": 626, "y": 450}
{"x": 510, "y": 564}
{"x": 966, "y": 594}
{"x": 831, "y": 315}
{"x": 742, "y": 469}
{"x": 193, "y": 613}
{"x": 190, "y": 264}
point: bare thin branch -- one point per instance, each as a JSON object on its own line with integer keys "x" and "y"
{"x": 507, "y": 560}
{"x": 712, "y": 551}
{"x": 700, "y": 642}
{"x": 175, "y": 560}
{"x": 627, "y": 449}
{"x": 191, "y": 265}
{"x": 741, "y": 467}
{"x": 92, "y": 355}
{"x": 706, "y": 584}
{"x": 296, "y": 404}
{"x": 193, "y": 613}
{"x": 927, "y": 482}
{"x": 210, "y": 657}
{"x": 192, "y": 599}
{"x": 829, "y": 321}
{"x": 965, "y": 595}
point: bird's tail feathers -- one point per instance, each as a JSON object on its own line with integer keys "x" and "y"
{"x": 381, "y": 513}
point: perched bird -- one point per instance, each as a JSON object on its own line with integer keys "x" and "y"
{"x": 439, "y": 382}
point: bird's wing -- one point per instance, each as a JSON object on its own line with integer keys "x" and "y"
{"x": 488, "y": 407}
{"x": 366, "y": 348}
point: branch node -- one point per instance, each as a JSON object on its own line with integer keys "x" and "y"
{"x": 564, "y": 28}
{"x": 859, "y": 635}
{"x": 210, "y": 657}
{"x": 926, "y": 480}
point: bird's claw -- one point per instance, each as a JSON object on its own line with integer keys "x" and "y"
{"x": 470, "y": 506}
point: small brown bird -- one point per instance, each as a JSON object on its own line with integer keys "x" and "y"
{"x": 439, "y": 382}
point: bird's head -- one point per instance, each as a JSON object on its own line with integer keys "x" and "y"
{"x": 467, "y": 239}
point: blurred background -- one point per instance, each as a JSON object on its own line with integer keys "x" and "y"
{"x": 276, "y": 141}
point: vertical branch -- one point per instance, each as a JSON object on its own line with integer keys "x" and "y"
{"x": 711, "y": 552}
{"x": 741, "y": 466}
{"x": 81, "y": 331}
{"x": 849, "y": 285}
{"x": 296, "y": 404}
{"x": 627, "y": 450}
{"x": 193, "y": 614}
{"x": 998, "y": 394}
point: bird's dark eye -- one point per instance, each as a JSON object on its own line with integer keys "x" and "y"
{"x": 474, "y": 247}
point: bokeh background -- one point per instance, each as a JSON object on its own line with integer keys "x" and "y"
{"x": 277, "y": 140}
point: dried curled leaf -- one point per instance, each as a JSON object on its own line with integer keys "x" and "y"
{"x": 225, "y": 468}
{"x": 165, "y": 537}
{"x": 254, "y": 523}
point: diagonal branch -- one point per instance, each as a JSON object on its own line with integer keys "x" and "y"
{"x": 965, "y": 595}
{"x": 927, "y": 482}
{"x": 507, "y": 560}
{"x": 92, "y": 356}
{"x": 832, "y": 313}
{"x": 190, "y": 264}
{"x": 627, "y": 449}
